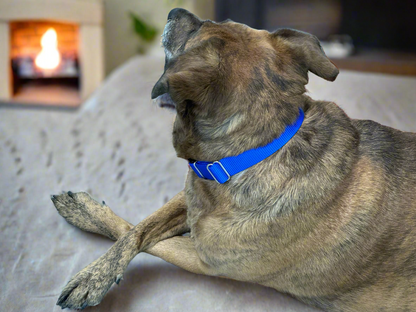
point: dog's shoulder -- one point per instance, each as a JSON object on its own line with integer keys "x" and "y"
{"x": 393, "y": 148}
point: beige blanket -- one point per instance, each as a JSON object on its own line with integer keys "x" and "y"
{"x": 118, "y": 148}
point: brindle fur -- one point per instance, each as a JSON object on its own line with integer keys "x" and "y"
{"x": 330, "y": 218}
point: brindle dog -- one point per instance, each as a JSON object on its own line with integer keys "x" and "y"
{"x": 330, "y": 218}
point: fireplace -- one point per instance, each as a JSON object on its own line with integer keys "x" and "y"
{"x": 53, "y": 53}
{"x": 44, "y": 62}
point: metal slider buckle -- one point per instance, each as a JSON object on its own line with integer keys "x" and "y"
{"x": 222, "y": 167}
{"x": 200, "y": 173}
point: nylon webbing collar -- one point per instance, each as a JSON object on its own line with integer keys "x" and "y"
{"x": 223, "y": 169}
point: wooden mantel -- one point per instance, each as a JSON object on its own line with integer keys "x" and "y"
{"x": 74, "y": 11}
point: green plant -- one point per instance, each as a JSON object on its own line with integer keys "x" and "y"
{"x": 143, "y": 30}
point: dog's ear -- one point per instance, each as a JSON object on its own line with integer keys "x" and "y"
{"x": 310, "y": 52}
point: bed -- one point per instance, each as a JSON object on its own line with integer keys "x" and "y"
{"x": 117, "y": 147}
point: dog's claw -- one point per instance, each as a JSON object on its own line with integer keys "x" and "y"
{"x": 85, "y": 303}
{"x": 103, "y": 202}
{"x": 71, "y": 194}
{"x": 64, "y": 296}
{"x": 119, "y": 278}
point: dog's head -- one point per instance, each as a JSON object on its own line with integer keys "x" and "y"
{"x": 233, "y": 87}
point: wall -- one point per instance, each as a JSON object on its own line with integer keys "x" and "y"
{"x": 120, "y": 41}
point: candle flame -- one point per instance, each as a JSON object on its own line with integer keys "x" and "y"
{"x": 49, "y": 57}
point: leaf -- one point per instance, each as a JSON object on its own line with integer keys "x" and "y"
{"x": 145, "y": 31}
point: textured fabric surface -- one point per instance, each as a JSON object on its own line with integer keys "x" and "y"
{"x": 118, "y": 148}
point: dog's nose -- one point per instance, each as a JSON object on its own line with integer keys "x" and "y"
{"x": 177, "y": 13}
{"x": 161, "y": 87}
{"x": 184, "y": 15}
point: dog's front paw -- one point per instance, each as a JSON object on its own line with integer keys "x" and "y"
{"x": 82, "y": 211}
{"x": 89, "y": 286}
{"x": 76, "y": 208}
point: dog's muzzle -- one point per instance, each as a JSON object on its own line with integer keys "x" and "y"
{"x": 165, "y": 101}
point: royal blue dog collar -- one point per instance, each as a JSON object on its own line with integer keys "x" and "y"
{"x": 223, "y": 169}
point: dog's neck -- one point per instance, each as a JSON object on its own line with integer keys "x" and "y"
{"x": 280, "y": 178}
{"x": 222, "y": 170}
{"x": 239, "y": 132}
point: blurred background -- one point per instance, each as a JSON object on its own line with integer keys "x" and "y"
{"x": 84, "y": 41}
{"x": 94, "y": 37}
{"x": 373, "y": 36}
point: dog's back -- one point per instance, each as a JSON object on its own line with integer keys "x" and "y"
{"x": 384, "y": 233}
{"x": 389, "y": 269}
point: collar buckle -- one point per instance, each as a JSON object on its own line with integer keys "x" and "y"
{"x": 219, "y": 173}
{"x": 195, "y": 167}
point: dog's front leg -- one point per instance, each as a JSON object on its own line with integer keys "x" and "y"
{"x": 181, "y": 251}
{"x": 88, "y": 287}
